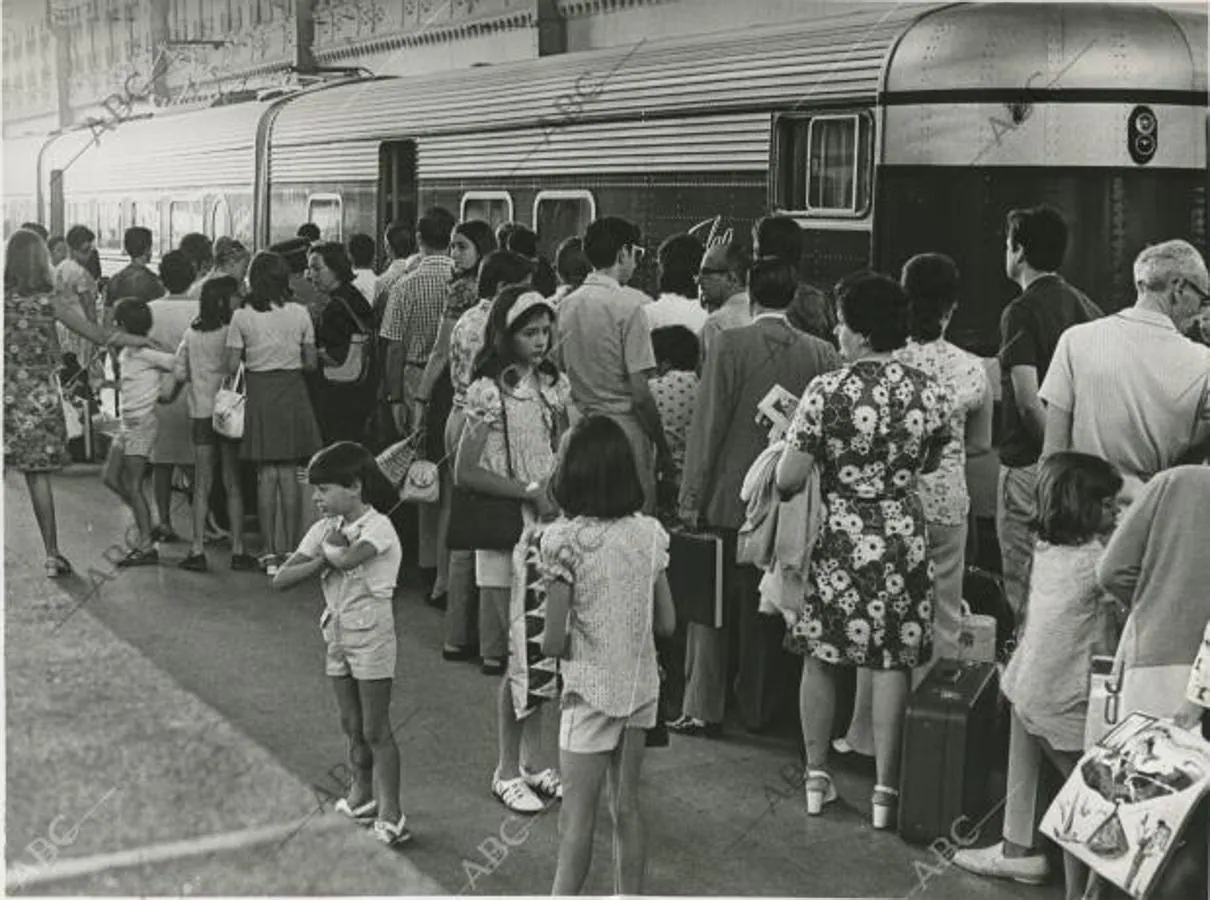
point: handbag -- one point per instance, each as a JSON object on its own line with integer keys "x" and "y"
{"x": 71, "y": 414}
{"x": 976, "y": 636}
{"x": 229, "y": 402}
{"x": 396, "y": 460}
{"x": 484, "y": 521}
{"x": 356, "y": 367}
{"x": 421, "y": 484}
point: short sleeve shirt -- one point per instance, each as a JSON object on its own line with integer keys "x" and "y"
{"x": 944, "y": 493}
{"x": 532, "y": 426}
{"x": 1138, "y": 391}
{"x": 200, "y": 364}
{"x": 375, "y": 577}
{"x": 271, "y": 340}
{"x": 612, "y": 566}
{"x": 466, "y": 340}
{"x": 415, "y": 305}
{"x": 73, "y": 279}
{"x": 136, "y": 280}
{"x": 1030, "y": 327}
{"x": 604, "y": 338}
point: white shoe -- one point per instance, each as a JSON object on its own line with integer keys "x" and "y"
{"x": 518, "y": 796}
{"x": 992, "y": 862}
{"x": 547, "y": 783}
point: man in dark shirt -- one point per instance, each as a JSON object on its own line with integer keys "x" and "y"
{"x": 1029, "y": 331}
{"x": 136, "y": 280}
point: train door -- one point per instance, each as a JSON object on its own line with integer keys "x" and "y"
{"x": 397, "y": 193}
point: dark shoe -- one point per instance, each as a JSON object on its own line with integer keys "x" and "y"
{"x": 657, "y": 736}
{"x": 244, "y": 562}
{"x": 195, "y": 562}
{"x": 493, "y": 667}
{"x": 690, "y": 727}
{"x": 139, "y": 558}
{"x": 163, "y": 534}
{"x": 441, "y": 601}
{"x": 462, "y": 654}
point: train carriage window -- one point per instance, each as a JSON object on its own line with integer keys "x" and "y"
{"x": 184, "y": 217}
{"x": 493, "y": 207}
{"x": 325, "y": 211}
{"x": 559, "y": 215}
{"x": 825, "y": 164}
{"x": 220, "y": 219}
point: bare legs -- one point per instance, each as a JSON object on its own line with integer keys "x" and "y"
{"x": 42, "y": 497}
{"x": 519, "y": 740}
{"x": 274, "y": 480}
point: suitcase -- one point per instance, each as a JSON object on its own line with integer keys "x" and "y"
{"x": 695, "y": 577}
{"x": 948, "y": 732}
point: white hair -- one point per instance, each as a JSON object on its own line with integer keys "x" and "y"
{"x": 1159, "y": 265}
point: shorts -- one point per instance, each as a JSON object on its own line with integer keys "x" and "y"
{"x": 204, "y": 434}
{"x": 138, "y": 437}
{"x": 361, "y": 643}
{"x": 583, "y": 729}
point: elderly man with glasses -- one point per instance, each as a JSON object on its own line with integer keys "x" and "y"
{"x": 1131, "y": 387}
{"x": 722, "y": 284}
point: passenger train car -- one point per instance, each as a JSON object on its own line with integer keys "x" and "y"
{"x": 892, "y": 131}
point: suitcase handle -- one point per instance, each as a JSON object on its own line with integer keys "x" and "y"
{"x": 949, "y": 671}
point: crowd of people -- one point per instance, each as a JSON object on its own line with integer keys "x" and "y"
{"x": 574, "y": 421}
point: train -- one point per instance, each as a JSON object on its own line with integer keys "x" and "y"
{"x": 885, "y": 132}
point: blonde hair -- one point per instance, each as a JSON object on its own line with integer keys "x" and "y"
{"x": 1160, "y": 264}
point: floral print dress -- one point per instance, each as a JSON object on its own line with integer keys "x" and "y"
{"x": 870, "y": 428}
{"x": 35, "y": 432}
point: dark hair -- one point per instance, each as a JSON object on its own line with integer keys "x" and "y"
{"x": 1041, "y": 232}
{"x": 499, "y": 268}
{"x": 434, "y": 228}
{"x": 544, "y": 279}
{"x": 199, "y": 249}
{"x": 336, "y": 258}
{"x": 738, "y": 257}
{"x": 597, "y": 475}
{"x": 54, "y": 240}
{"x": 677, "y": 346}
{"x": 498, "y": 355}
{"x": 214, "y": 304}
{"x": 177, "y": 271}
{"x": 268, "y": 281}
{"x": 401, "y": 238}
{"x": 27, "y": 264}
{"x": 772, "y": 282}
{"x": 92, "y": 265}
{"x": 480, "y": 234}
{"x": 679, "y": 257}
{"x": 811, "y": 312}
{"x": 362, "y": 250}
{"x": 522, "y": 240}
{"x": 875, "y": 307}
{"x": 504, "y": 231}
{"x": 294, "y": 252}
{"x": 345, "y": 463}
{"x": 930, "y": 281}
{"x": 778, "y": 236}
{"x": 607, "y": 237}
{"x": 36, "y": 229}
{"x": 571, "y": 262}
{"x": 134, "y": 315}
{"x": 310, "y": 231}
{"x": 79, "y": 235}
{"x": 137, "y": 241}
{"x": 1070, "y": 491}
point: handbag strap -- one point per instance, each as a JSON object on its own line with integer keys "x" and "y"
{"x": 356, "y": 320}
{"x": 508, "y": 449}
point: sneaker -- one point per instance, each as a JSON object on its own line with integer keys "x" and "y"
{"x": 517, "y": 795}
{"x": 269, "y": 564}
{"x": 392, "y": 834}
{"x": 691, "y": 727}
{"x": 992, "y": 862}
{"x": 547, "y": 783}
{"x": 139, "y": 558}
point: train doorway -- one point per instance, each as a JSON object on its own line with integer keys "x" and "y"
{"x": 397, "y": 191}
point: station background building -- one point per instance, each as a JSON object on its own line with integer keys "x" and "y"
{"x": 63, "y": 58}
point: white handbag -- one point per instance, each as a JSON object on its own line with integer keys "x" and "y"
{"x": 71, "y": 414}
{"x": 976, "y": 636}
{"x": 228, "y": 418}
{"x": 421, "y": 484}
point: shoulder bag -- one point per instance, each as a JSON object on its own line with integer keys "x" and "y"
{"x": 481, "y": 521}
{"x": 356, "y": 367}
{"x": 228, "y": 418}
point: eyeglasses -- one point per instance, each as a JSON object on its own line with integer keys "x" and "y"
{"x": 1203, "y": 297}
{"x": 703, "y": 273}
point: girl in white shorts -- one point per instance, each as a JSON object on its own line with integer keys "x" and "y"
{"x": 607, "y": 598}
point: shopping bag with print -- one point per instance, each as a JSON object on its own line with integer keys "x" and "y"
{"x": 228, "y": 418}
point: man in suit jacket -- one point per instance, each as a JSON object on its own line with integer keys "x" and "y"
{"x": 724, "y": 440}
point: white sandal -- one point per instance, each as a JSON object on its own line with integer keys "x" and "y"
{"x": 883, "y": 805}
{"x": 820, "y": 791}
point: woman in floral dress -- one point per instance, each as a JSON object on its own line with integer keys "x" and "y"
{"x": 35, "y": 432}
{"x": 872, "y": 428}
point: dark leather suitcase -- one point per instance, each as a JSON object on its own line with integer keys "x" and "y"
{"x": 948, "y": 732}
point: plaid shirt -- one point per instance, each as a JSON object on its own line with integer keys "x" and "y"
{"x": 416, "y": 303}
